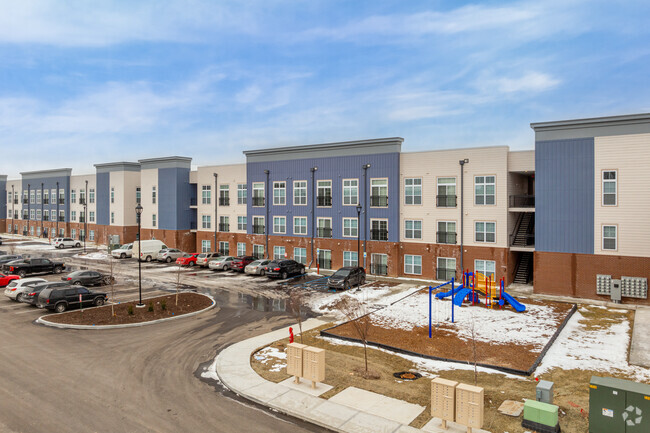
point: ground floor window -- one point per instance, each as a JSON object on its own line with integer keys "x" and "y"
{"x": 445, "y": 269}
{"x": 379, "y": 264}
{"x": 325, "y": 259}
{"x": 82, "y": 235}
{"x": 350, "y": 258}
{"x": 206, "y": 246}
{"x": 61, "y": 232}
{"x": 31, "y": 231}
{"x": 224, "y": 248}
{"x": 278, "y": 253}
{"x": 38, "y": 232}
{"x": 485, "y": 267}
{"x": 258, "y": 251}
{"x": 91, "y": 235}
{"x": 241, "y": 248}
{"x": 412, "y": 264}
{"x": 300, "y": 255}
{"x": 73, "y": 233}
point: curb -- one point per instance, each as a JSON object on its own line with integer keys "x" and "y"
{"x": 42, "y": 321}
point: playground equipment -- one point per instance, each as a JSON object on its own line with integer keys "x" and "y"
{"x": 477, "y": 286}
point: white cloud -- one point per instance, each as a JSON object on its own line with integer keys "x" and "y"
{"x": 530, "y": 82}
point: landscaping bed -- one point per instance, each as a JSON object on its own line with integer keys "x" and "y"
{"x": 161, "y": 307}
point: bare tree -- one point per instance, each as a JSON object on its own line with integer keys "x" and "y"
{"x": 472, "y": 334}
{"x": 296, "y": 299}
{"x": 110, "y": 279}
{"x": 356, "y": 313}
{"x": 179, "y": 274}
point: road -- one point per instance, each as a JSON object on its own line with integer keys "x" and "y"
{"x": 144, "y": 379}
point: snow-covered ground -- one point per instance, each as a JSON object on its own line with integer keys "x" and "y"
{"x": 32, "y": 246}
{"x": 92, "y": 256}
{"x": 272, "y": 357}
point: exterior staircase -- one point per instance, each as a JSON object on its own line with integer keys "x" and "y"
{"x": 524, "y": 268}
{"x": 524, "y": 234}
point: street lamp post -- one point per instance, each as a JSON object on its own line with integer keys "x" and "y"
{"x": 216, "y": 218}
{"x": 358, "y": 233}
{"x": 462, "y": 163}
{"x": 42, "y": 200}
{"x": 365, "y": 220}
{"x": 85, "y": 216}
{"x": 138, "y": 213}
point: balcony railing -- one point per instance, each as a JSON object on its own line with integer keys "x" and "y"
{"x": 378, "y": 235}
{"x": 446, "y": 201}
{"x": 46, "y": 218}
{"x": 378, "y": 269}
{"x": 324, "y": 200}
{"x": 61, "y": 201}
{"x": 82, "y": 219}
{"x": 224, "y": 201}
{"x": 378, "y": 200}
{"x": 83, "y": 201}
{"x": 258, "y": 201}
{"x": 443, "y": 274}
{"x": 192, "y": 201}
{"x": 61, "y": 219}
{"x": 192, "y": 225}
{"x": 46, "y": 200}
{"x": 224, "y": 227}
{"x": 522, "y": 201}
{"x": 258, "y": 229}
{"x": 15, "y": 201}
{"x": 446, "y": 237}
{"x": 25, "y": 201}
{"x": 522, "y": 240}
{"x": 324, "y": 232}
{"x": 24, "y": 232}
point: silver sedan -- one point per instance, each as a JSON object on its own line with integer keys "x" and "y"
{"x": 223, "y": 263}
{"x": 257, "y": 267}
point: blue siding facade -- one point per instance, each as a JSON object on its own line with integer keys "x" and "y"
{"x": 3, "y": 198}
{"x": 103, "y": 198}
{"x": 174, "y": 211}
{"x": 564, "y": 196}
{"x": 49, "y": 183}
{"x": 336, "y": 169}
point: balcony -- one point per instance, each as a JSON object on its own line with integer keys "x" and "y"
{"x": 443, "y": 274}
{"x": 378, "y": 234}
{"x": 25, "y": 201}
{"x": 192, "y": 201}
{"x": 82, "y": 201}
{"x": 379, "y": 201}
{"x": 46, "y": 201}
{"x": 258, "y": 201}
{"x": 15, "y": 201}
{"x": 446, "y": 201}
{"x": 82, "y": 219}
{"x": 258, "y": 229}
{"x": 324, "y": 232}
{"x": 224, "y": 201}
{"x": 522, "y": 201}
{"x": 61, "y": 219}
{"x": 324, "y": 200}
{"x": 224, "y": 227}
{"x": 378, "y": 269}
{"x": 61, "y": 201}
{"x": 446, "y": 237}
{"x": 46, "y": 218}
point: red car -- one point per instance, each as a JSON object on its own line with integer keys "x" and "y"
{"x": 6, "y": 279}
{"x": 187, "y": 259}
{"x": 239, "y": 263}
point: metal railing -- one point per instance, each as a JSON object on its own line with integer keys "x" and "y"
{"x": 324, "y": 200}
{"x": 522, "y": 201}
{"x": 46, "y": 218}
{"x": 25, "y": 201}
{"x": 61, "y": 201}
{"x": 378, "y": 269}
{"x": 224, "y": 227}
{"x": 258, "y": 201}
{"x": 324, "y": 232}
{"x": 379, "y": 200}
{"x": 378, "y": 235}
{"x": 46, "y": 200}
{"x": 193, "y": 201}
{"x": 224, "y": 201}
{"x": 525, "y": 240}
{"x": 258, "y": 229}
{"x": 446, "y": 237}
{"x": 446, "y": 200}
{"x": 61, "y": 219}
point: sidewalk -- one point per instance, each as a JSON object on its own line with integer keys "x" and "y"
{"x": 235, "y": 372}
{"x": 640, "y": 345}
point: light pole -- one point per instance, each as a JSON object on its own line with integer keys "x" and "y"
{"x": 462, "y": 162}
{"x": 313, "y": 211}
{"x": 138, "y": 213}
{"x": 42, "y": 200}
{"x": 85, "y": 216}
{"x": 13, "y": 209}
{"x": 58, "y": 200}
{"x": 358, "y": 233}
{"x": 215, "y": 211}
{"x": 266, "y": 220}
{"x": 365, "y": 205}
{"x": 29, "y": 209}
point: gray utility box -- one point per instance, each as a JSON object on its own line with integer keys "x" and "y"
{"x": 618, "y": 406}
{"x": 616, "y": 291}
{"x": 544, "y": 392}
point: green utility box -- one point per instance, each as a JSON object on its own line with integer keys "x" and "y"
{"x": 540, "y": 416}
{"x": 618, "y": 406}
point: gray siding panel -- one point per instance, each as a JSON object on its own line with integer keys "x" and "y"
{"x": 49, "y": 183}
{"x": 564, "y": 201}
{"x": 174, "y": 211}
{"x": 102, "y": 198}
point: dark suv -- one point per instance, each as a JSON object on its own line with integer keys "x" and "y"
{"x": 284, "y": 268}
{"x": 347, "y": 277}
{"x": 61, "y": 299}
{"x": 31, "y": 296}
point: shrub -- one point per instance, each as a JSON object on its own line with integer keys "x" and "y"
{"x": 163, "y": 304}
{"x": 151, "y": 307}
{"x": 129, "y": 310}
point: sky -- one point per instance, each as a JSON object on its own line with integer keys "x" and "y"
{"x": 91, "y": 82}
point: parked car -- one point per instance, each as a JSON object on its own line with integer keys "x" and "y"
{"x": 187, "y": 259}
{"x": 87, "y": 278}
{"x": 60, "y": 299}
{"x": 123, "y": 252}
{"x": 169, "y": 255}
{"x": 66, "y": 243}
{"x": 284, "y": 269}
{"x": 33, "y": 266}
{"x": 16, "y": 288}
{"x": 9, "y": 258}
{"x": 240, "y": 263}
{"x": 31, "y": 296}
{"x": 222, "y": 263}
{"x": 204, "y": 258}
{"x": 258, "y": 267}
{"x": 0, "y": 240}
{"x": 149, "y": 251}
{"x": 6, "y": 279}
{"x": 347, "y": 277}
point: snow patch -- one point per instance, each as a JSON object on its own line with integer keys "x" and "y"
{"x": 274, "y": 356}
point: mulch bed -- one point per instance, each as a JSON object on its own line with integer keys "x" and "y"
{"x": 187, "y": 303}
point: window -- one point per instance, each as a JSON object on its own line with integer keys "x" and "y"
{"x": 378, "y": 230}
{"x": 91, "y": 216}
{"x": 300, "y": 192}
{"x": 32, "y": 214}
{"x": 241, "y": 248}
{"x": 446, "y": 233}
{"x": 53, "y": 196}
{"x": 258, "y": 194}
{"x": 112, "y": 217}
{"x": 609, "y": 237}
{"x": 241, "y": 223}
{"x": 350, "y": 192}
{"x": 224, "y": 248}
{"x": 485, "y": 267}
{"x": 91, "y": 235}
{"x": 46, "y": 215}
{"x": 38, "y": 231}
{"x": 61, "y": 216}
{"x": 350, "y": 227}
{"x": 25, "y": 197}
{"x": 300, "y": 255}
{"x": 112, "y": 195}
{"x": 224, "y": 195}
{"x": 224, "y": 223}
{"x": 61, "y": 232}
{"x": 325, "y": 259}
{"x": 278, "y": 253}
{"x": 73, "y": 215}
{"x": 32, "y": 197}
{"x": 38, "y": 197}
{"x": 350, "y": 258}
{"x": 91, "y": 195}
{"x": 258, "y": 251}
{"x": 258, "y": 225}
{"x": 412, "y": 264}
{"x": 609, "y": 188}
{"x": 153, "y": 195}
{"x": 206, "y": 222}
{"x": 82, "y": 196}
{"x": 279, "y": 193}
{"x": 446, "y": 269}
{"x": 153, "y": 220}
{"x": 413, "y": 229}
{"x": 279, "y": 224}
{"x": 379, "y": 192}
{"x": 324, "y": 227}
{"x": 446, "y": 196}
{"x": 484, "y": 190}
{"x": 242, "y": 193}
{"x": 413, "y": 191}
{"x": 206, "y": 194}
{"x": 8, "y": 197}
{"x": 73, "y": 196}
{"x": 31, "y": 231}
{"x": 324, "y": 193}
{"x": 299, "y": 225}
{"x": 73, "y": 233}
{"x": 38, "y": 214}
{"x": 485, "y": 231}
{"x": 206, "y": 246}
{"x": 138, "y": 195}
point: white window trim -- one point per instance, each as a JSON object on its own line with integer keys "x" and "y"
{"x": 421, "y": 229}
{"x": 293, "y": 193}
{"x": 484, "y": 195}
{"x": 284, "y": 188}
{"x": 485, "y": 262}
{"x": 602, "y": 188}
{"x": 285, "y": 224}
{"x": 405, "y": 264}
{"x": 485, "y": 232}
{"x": 331, "y": 192}
{"x": 343, "y": 192}
{"x": 343, "y": 227}
{"x": 387, "y": 190}
{"x": 306, "y": 226}
{"x": 351, "y": 262}
{"x": 602, "y": 236}
{"x": 421, "y": 191}
{"x": 245, "y": 224}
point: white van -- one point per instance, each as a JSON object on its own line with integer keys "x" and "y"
{"x": 149, "y": 249}
{"x": 123, "y": 252}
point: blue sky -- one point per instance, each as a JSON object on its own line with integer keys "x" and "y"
{"x": 85, "y": 82}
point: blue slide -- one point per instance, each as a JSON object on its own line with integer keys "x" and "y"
{"x": 518, "y": 306}
{"x": 460, "y": 296}
{"x": 442, "y": 295}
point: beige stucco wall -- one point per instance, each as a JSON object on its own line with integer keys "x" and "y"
{"x": 78, "y": 183}
{"x": 125, "y": 183}
{"x": 149, "y": 179}
{"x": 630, "y": 156}
{"x": 17, "y": 184}
{"x": 522, "y": 160}
{"x": 444, "y": 163}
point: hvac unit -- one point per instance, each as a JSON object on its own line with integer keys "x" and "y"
{"x": 603, "y": 284}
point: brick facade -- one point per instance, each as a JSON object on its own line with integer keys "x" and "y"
{"x": 184, "y": 240}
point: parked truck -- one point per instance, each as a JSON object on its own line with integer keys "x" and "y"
{"x": 33, "y": 266}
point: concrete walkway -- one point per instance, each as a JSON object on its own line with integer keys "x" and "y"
{"x": 640, "y": 346}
